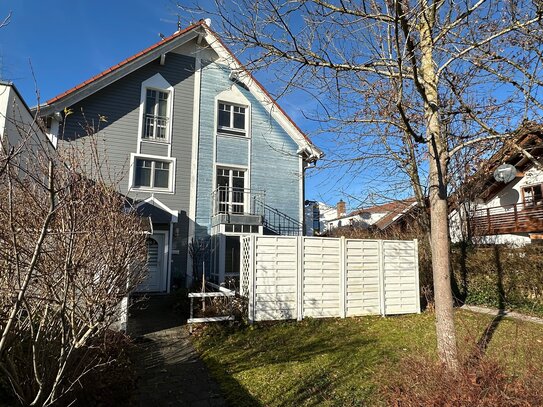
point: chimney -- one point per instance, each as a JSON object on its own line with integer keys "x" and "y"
{"x": 340, "y": 207}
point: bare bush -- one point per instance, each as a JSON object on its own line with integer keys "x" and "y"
{"x": 423, "y": 382}
{"x": 70, "y": 250}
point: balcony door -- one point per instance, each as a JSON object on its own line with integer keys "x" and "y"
{"x": 231, "y": 190}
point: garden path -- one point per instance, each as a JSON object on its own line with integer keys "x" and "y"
{"x": 503, "y": 313}
{"x": 170, "y": 373}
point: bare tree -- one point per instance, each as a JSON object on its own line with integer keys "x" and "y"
{"x": 70, "y": 250}
{"x": 412, "y": 81}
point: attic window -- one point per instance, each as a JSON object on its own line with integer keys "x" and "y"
{"x": 231, "y": 119}
{"x": 156, "y": 118}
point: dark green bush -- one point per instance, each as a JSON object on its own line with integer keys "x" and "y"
{"x": 501, "y": 277}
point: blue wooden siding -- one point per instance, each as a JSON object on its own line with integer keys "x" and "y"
{"x": 274, "y": 162}
{"x": 232, "y": 150}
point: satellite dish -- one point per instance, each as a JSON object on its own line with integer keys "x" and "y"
{"x": 505, "y": 173}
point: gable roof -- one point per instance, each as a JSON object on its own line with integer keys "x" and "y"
{"x": 199, "y": 29}
{"x": 392, "y": 211}
{"x": 530, "y": 138}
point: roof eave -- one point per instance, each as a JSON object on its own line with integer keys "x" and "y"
{"x": 256, "y": 88}
{"x": 116, "y": 72}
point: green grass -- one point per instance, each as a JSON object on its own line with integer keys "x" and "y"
{"x": 343, "y": 362}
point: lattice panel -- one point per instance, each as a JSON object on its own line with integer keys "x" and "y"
{"x": 245, "y": 265}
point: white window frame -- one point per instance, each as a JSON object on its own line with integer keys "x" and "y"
{"x": 159, "y": 84}
{"x": 246, "y": 181}
{"x": 231, "y": 130}
{"x": 234, "y": 97}
{"x": 154, "y": 158}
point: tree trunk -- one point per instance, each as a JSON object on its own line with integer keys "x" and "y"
{"x": 437, "y": 149}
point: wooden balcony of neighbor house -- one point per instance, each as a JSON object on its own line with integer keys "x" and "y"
{"x": 518, "y": 218}
{"x": 243, "y": 206}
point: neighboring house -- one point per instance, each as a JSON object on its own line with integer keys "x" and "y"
{"x": 18, "y": 125}
{"x": 317, "y": 216}
{"x": 380, "y": 216}
{"x": 197, "y": 144}
{"x": 504, "y": 213}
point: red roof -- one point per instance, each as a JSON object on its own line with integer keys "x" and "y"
{"x": 126, "y": 61}
{"x": 390, "y": 209}
{"x": 164, "y": 41}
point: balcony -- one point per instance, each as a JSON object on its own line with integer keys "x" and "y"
{"x": 234, "y": 205}
{"x": 243, "y": 206}
{"x": 517, "y": 218}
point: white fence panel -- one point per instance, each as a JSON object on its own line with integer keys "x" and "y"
{"x": 287, "y": 277}
{"x": 275, "y": 278}
{"x": 362, "y": 265}
{"x": 400, "y": 276}
{"x": 321, "y": 277}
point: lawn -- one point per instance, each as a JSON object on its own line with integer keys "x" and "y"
{"x": 344, "y": 362}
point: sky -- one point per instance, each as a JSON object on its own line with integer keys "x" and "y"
{"x": 54, "y": 45}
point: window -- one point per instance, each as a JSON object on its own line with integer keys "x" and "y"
{"x": 155, "y": 121}
{"x": 316, "y": 219}
{"x": 231, "y": 119}
{"x": 241, "y": 228}
{"x": 150, "y": 173}
{"x": 533, "y": 195}
{"x": 230, "y": 196}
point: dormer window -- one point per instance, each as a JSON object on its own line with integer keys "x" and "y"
{"x": 231, "y": 119}
{"x": 155, "y": 124}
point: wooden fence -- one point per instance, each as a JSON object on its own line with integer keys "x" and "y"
{"x": 293, "y": 277}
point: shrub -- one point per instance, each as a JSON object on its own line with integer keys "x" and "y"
{"x": 501, "y": 276}
{"x": 485, "y": 383}
{"x": 71, "y": 248}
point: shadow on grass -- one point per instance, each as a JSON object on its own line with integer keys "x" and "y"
{"x": 290, "y": 364}
{"x": 488, "y": 334}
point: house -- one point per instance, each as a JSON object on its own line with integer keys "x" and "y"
{"x": 380, "y": 217}
{"x": 199, "y": 146}
{"x": 317, "y": 216}
{"x": 18, "y": 126}
{"x": 497, "y": 212}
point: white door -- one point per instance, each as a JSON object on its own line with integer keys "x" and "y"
{"x": 156, "y": 270}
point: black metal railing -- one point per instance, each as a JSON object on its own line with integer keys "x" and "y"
{"x": 278, "y": 222}
{"x": 244, "y": 201}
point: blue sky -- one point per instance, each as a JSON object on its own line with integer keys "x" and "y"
{"x": 67, "y": 42}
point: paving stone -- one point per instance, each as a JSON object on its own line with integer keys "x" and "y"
{"x": 169, "y": 370}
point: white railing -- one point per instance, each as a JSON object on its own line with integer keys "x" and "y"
{"x": 155, "y": 128}
{"x": 221, "y": 292}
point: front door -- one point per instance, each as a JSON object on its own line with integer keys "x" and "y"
{"x": 156, "y": 270}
